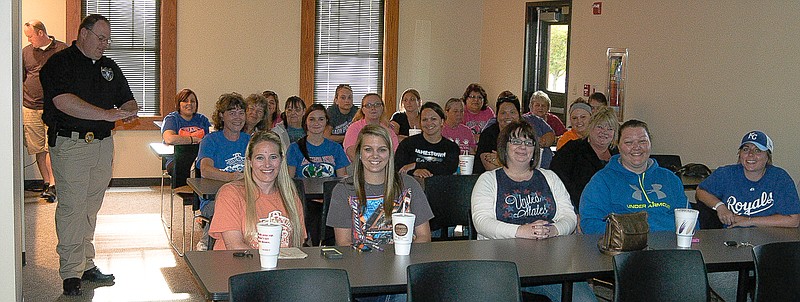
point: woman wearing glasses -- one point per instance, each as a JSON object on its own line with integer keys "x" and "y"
{"x": 477, "y": 114}
{"x": 752, "y": 192}
{"x": 370, "y": 113}
{"x": 522, "y": 201}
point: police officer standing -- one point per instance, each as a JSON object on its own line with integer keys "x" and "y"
{"x": 84, "y": 94}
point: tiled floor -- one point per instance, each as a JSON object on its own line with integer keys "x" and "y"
{"x": 130, "y": 243}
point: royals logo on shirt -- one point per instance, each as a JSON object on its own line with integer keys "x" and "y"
{"x": 107, "y": 73}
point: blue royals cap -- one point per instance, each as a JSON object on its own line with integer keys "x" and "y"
{"x": 759, "y": 139}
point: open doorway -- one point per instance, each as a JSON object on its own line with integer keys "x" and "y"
{"x": 547, "y": 33}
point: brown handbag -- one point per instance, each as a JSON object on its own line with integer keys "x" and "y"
{"x": 624, "y": 233}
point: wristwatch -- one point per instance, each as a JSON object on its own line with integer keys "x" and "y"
{"x": 717, "y": 205}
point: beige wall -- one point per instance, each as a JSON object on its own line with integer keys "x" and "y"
{"x": 439, "y": 47}
{"x": 247, "y": 47}
{"x": 51, "y": 13}
{"x": 700, "y": 73}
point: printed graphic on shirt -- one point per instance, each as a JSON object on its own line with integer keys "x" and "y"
{"x": 647, "y": 197}
{"x": 340, "y": 129}
{"x": 526, "y": 201}
{"x": 277, "y": 217}
{"x": 320, "y": 167}
{"x": 193, "y": 131}
{"x": 427, "y": 156}
{"x": 463, "y": 144}
{"x": 234, "y": 164}
{"x": 370, "y": 224}
{"x": 749, "y": 208}
{"x": 476, "y": 126}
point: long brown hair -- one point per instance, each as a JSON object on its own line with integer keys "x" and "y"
{"x": 393, "y": 184}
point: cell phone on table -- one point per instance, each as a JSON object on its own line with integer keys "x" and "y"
{"x": 331, "y": 253}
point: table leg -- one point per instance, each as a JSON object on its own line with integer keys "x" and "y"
{"x": 742, "y": 286}
{"x": 566, "y": 291}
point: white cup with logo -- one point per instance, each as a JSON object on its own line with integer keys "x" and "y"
{"x": 403, "y": 232}
{"x": 414, "y": 131}
{"x": 269, "y": 243}
{"x": 685, "y": 221}
{"x": 465, "y": 164}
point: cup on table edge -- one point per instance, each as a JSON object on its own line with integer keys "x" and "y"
{"x": 269, "y": 243}
{"x": 465, "y": 163}
{"x": 403, "y": 232}
{"x": 685, "y": 221}
{"x": 414, "y": 131}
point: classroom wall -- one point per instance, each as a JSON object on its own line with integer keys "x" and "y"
{"x": 439, "y": 49}
{"x": 701, "y": 73}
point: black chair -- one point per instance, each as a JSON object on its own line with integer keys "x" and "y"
{"x": 777, "y": 271}
{"x": 450, "y": 199}
{"x": 671, "y": 162}
{"x": 184, "y": 158}
{"x": 707, "y": 217}
{"x": 660, "y": 275}
{"x": 326, "y": 237}
{"x": 307, "y": 284}
{"x": 463, "y": 280}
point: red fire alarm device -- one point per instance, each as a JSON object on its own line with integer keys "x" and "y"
{"x": 586, "y": 89}
{"x": 597, "y": 8}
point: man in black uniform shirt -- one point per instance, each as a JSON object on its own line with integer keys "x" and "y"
{"x": 84, "y": 94}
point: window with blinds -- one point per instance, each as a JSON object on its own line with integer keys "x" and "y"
{"x": 134, "y": 45}
{"x": 348, "y": 48}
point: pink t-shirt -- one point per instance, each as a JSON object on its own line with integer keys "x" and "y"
{"x": 477, "y": 121}
{"x": 229, "y": 214}
{"x": 462, "y": 136}
{"x": 351, "y": 136}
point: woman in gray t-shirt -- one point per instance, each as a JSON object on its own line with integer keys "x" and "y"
{"x": 359, "y": 202}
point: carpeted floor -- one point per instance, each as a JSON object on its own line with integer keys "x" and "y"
{"x": 130, "y": 242}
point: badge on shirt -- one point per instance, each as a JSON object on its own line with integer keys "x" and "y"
{"x": 107, "y": 73}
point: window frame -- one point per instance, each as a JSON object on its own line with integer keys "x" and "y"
{"x": 167, "y": 63}
{"x": 390, "y": 32}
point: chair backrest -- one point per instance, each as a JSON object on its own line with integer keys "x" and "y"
{"x": 660, "y": 275}
{"x": 326, "y": 238}
{"x": 463, "y": 280}
{"x": 671, "y": 162}
{"x": 450, "y": 199}
{"x": 777, "y": 266}
{"x": 184, "y": 157}
{"x": 307, "y": 284}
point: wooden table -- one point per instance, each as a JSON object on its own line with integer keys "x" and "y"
{"x": 564, "y": 259}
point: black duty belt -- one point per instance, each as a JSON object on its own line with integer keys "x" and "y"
{"x": 87, "y": 136}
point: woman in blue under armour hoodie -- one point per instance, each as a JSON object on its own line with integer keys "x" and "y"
{"x": 632, "y": 182}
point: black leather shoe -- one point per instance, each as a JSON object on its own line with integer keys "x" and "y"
{"x": 95, "y": 275}
{"x": 72, "y": 287}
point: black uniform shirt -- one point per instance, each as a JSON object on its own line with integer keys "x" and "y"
{"x": 99, "y": 83}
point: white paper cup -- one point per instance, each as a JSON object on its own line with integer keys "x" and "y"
{"x": 403, "y": 232}
{"x": 269, "y": 243}
{"x": 685, "y": 221}
{"x": 414, "y": 131}
{"x": 465, "y": 164}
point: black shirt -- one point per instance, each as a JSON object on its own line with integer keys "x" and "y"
{"x": 100, "y": 83}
